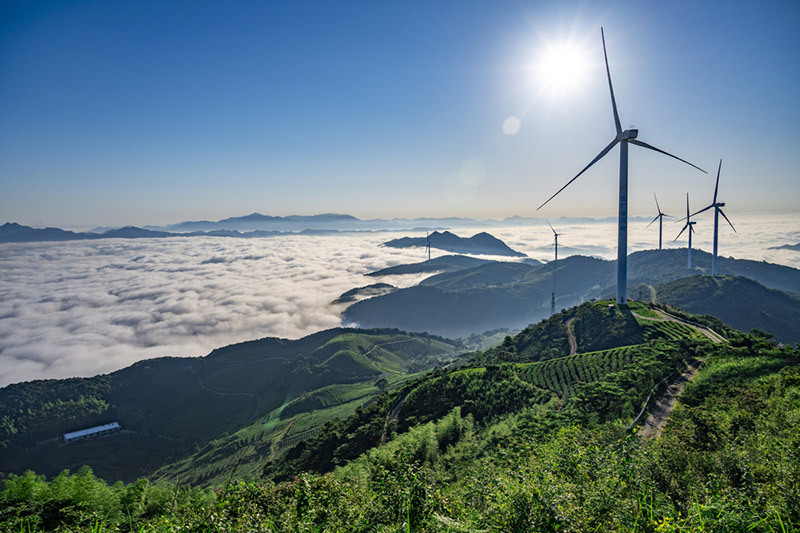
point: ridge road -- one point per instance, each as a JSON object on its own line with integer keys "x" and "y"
{"x": 665, "y": 403}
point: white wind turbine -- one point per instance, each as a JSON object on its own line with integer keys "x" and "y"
{"x": 660, "y": 217}
{"x": 555, "y": 266}
{"x": 717, "y": 212}
{"x": 622, "y": 138}
{"x": 689, "y": 224}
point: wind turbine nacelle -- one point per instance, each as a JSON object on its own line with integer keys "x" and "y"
{"x": 720, "y": 204}
{"x": 627, "y": 135}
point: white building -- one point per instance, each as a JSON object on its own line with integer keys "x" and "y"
{"x": 89, "y": 433}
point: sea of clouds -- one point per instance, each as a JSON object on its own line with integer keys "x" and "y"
{"x": 83, "y": 308}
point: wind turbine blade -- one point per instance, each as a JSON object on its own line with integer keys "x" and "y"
{"x": 716, "y": 187}
{"x": 726, "y": 218}
{"x": 657, "y": 206}
{"x": 681, "y": 233}
{"x": 704, "y": 209}
{"x": 610, "y": 87}
{"x": 551, "y": 227}
{"x": 651, "y": 222}
{"x": 637, "y": 142}
{"x": 595, "y": 160}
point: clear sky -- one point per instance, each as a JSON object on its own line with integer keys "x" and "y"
{"x": 149, "y": 112}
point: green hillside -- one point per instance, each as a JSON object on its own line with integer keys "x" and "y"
{"x": 544, "y": 443}
{"x": 638, "y": 349}
{"x": 170, "y": 408}
{"x": 740, "y": 302}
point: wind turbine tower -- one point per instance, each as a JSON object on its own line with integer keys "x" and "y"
{"x": 623, "y": 138}
{"x": 717, "y": 212}
{"x": 555, "y": 270}
{"x": 660, "y": 217}
{"x": 689, "y": 224}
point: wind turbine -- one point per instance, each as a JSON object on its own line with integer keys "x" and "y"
{"x": 622, "y": 138}
{"x": 717, "y": 212}
{"x": 660, "y": 217}
{"x": 555, "y": 269}
{"x": 689, "y": 224}
{"x": 428, "y": 244}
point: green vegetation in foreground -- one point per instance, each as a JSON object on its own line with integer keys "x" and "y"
{"x": 486, "y": 449}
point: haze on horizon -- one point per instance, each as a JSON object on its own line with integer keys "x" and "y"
{"x": 156, "y": 112}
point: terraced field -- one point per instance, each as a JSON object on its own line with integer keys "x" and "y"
{"x": 670, "y": 330}
{"x": 560, "y": 375}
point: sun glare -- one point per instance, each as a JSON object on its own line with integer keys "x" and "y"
{"x": 560, "y": 69}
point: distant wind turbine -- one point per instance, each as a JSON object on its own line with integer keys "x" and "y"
{"x": 622, "y": 138}
{"x": 689, "y": 224}
{"x": 428, "y": 244}
{"x": 660, "y": 217}
{"x": 555, "y": 266}
{"x": 717, "y": 212}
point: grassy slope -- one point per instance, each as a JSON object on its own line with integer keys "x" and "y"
{"x": 171, "y": 407}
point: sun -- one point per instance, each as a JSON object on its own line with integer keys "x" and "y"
{"x": 560, "y": 69}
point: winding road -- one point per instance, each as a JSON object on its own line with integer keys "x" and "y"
{"x": 573, "y": 343}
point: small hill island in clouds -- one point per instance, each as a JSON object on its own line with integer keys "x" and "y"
{"x": 479, "y": 244}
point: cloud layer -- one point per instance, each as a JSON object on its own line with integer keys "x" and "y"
{"x": 83, "y": 308}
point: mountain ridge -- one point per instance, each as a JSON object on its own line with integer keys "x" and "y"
{"x": 511, "y": 295}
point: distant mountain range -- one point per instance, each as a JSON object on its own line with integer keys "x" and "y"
{"x": 13, "y": 232}
{"x": 258, "y": 225}
{"x": 479, "y": 244}
{"x": 498, "y": 294}
{"x": 343, "y": 222}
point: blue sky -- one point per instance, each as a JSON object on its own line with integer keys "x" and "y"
{"x": 145, "y": 112}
